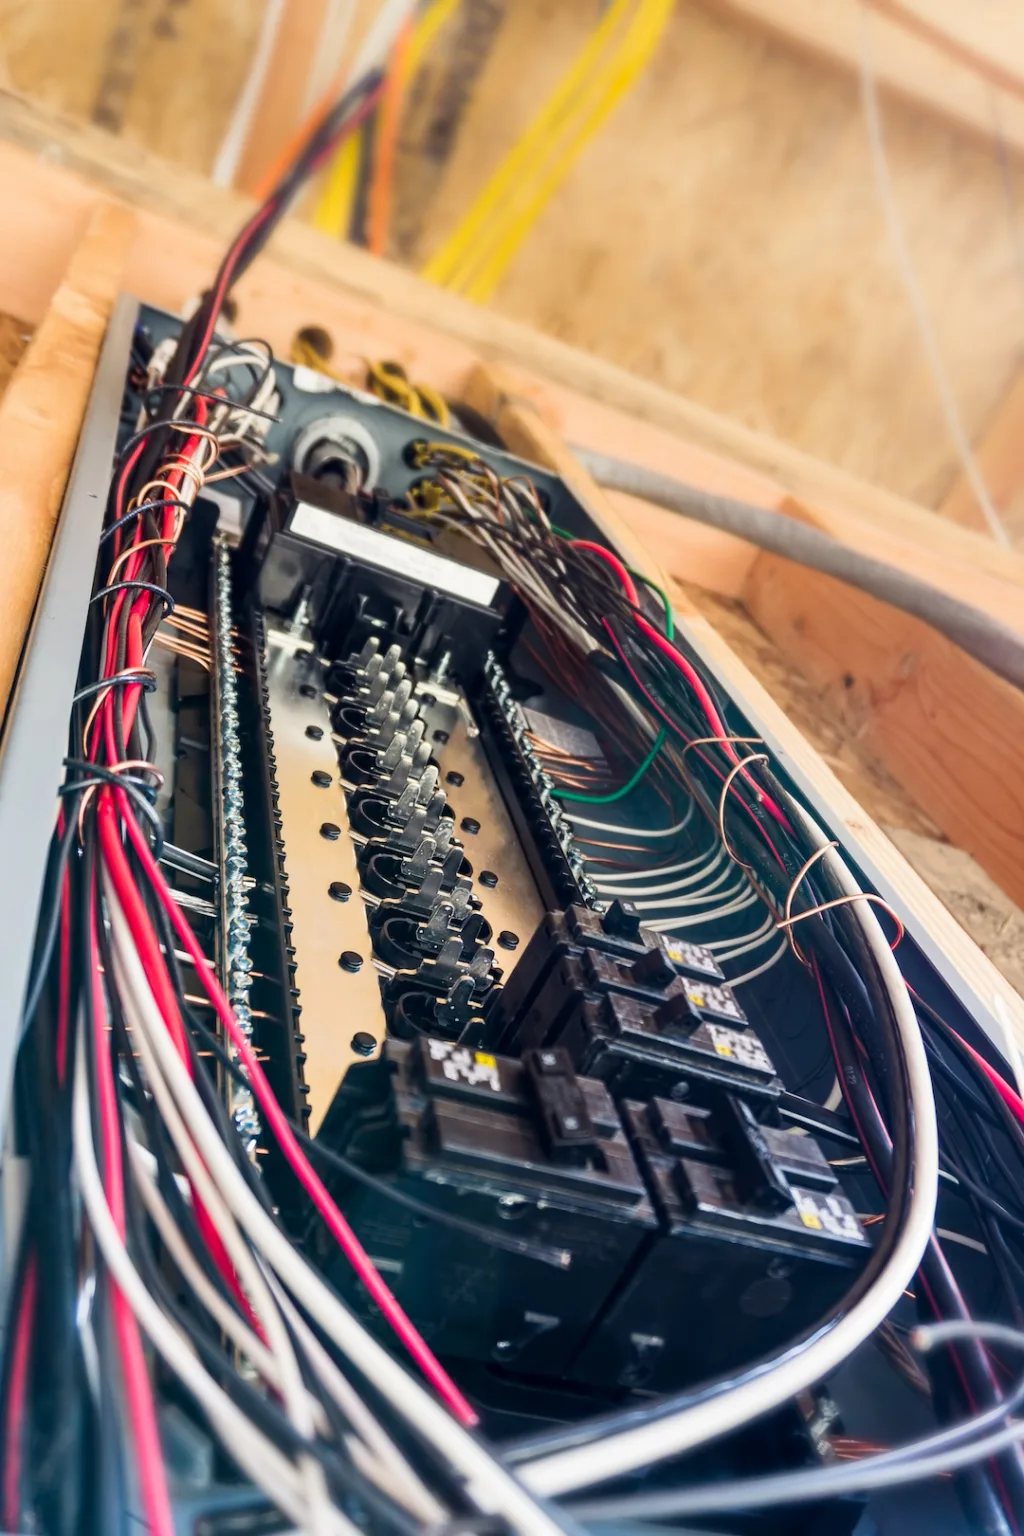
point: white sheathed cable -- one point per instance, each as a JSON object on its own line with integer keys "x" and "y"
{"x": 256, "y": 1455}
{"x": 625, "y": 1451}
{"x": 295, "y": 1398}
{"x": 604, "y": 826}
{"x": 759, "y": 970}
{"x": 225, "y": 166}
{"x": 488, "y": 1479}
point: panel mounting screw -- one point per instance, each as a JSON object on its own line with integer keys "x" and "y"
{"x": 363, "y": 1043}
{"x": 469, "y": 824}
{"x": 507, "y": 939}
{"x": 455, "y": 777}
{"x": 329, "y": 830}
{"x": 314, "y": 732}
{"x": 339, "y": 891}
{"x": 320, "y": 778}
{"x": 349, "y": 960}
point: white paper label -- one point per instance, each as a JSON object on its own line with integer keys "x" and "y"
{"x": 387, "y": 553}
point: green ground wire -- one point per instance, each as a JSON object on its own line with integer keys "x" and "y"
{"x": 630, "y": 784}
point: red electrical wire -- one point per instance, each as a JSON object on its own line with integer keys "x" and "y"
{"x": 21, "y": 1353}
{"x": 150, "y": 956}
{"x": 690, "y": 672}
{"x": 299, "y": 1163}
{"x": 137, "y": 1387}
{"x": 937, "y": 1253}
{"x": 1006, "y": 1093}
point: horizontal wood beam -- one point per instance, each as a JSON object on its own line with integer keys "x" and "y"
{"x": 369, "y": 305}
{"x": 948, "y": 730}
{"x": 945, "y": 68}
{"x": 40, "y": 414}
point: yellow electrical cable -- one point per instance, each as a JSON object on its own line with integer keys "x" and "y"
{"x": 587, "y": 104}
{"x": 333, "y": 211}
{"x": 510, "y": 173}
{"x": 427, "y": 28}
{"x": 493, "y": 262}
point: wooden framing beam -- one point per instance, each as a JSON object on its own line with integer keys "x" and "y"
{"x": 950, "y": 731}
{"x": 371, "y": 306}
{"x": 40, "y": 414}
{"x": 948, "y": 69}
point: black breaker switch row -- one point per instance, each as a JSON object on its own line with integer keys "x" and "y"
{"x": 657, "y": 1241}
{"x": 637, "y": 1009}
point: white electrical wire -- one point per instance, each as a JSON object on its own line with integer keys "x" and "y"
{"x": 759, "y": 970}
{"x": 604, "y": 826}
{"x": 380, "y": 1453}
{"x": 708, "y": 890}
{"x": 331, "y": 43}
{"x": 671, "y": 924}
{"x": 256, "y": 1455}
{"x": 294, "y": 1396}
{"x": 496, "y": 1489}
{"x": 708, "y": 865}
{"x": 620, "y": 1452}
{"x": 727, "y": 949}
{"x": 375, "y": 1452}
{"x": 232, "y": 145}
{"x": 901, "y": 250}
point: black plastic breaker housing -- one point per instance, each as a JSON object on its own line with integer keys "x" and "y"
{"x": 698, "y": 1237}
{"x": 346, "y": 599}
{"x": 526, "y": 1148}
{"x": 641, "y": 1011}
{"x": 756, "y": 1242}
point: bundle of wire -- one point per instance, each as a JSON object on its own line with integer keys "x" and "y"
{"x": 150, "y": 1244}
{"x": 607, "y": 639}
{"x": 182, "y": 1246}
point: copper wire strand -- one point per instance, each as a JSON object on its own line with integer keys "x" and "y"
{"x": 844, "y": 901}
{"x": 755, "y": 757}
{"x": 134, "y": 674}
{"x": 136, "y": 763}
{"x": 187, "y": 627}
{"x": 785, "y": 921}
{"x": 140, "y": 765}
{"x": 132, "y": 549}
{"x": 710, "y": 741}
{"x": 187, "y": 467}
{"x": 179, "y": 648}
{"x": 228, "y": 474}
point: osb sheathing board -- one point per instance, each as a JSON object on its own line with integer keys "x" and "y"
{"x": 721, "y": 235}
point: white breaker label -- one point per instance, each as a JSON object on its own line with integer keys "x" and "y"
{"x": 714, "y": 999}
{"x": 745, "y": 1049}
{"x": 828, "y": 1213}
{"x": 461, "y": 1065}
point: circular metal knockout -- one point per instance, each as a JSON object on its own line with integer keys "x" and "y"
{"x": 337, "y": 438}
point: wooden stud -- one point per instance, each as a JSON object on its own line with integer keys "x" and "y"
{"x": 950, "y": 731}
{"x": 40, "y": 415}
{"x": 928, "y": 64}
